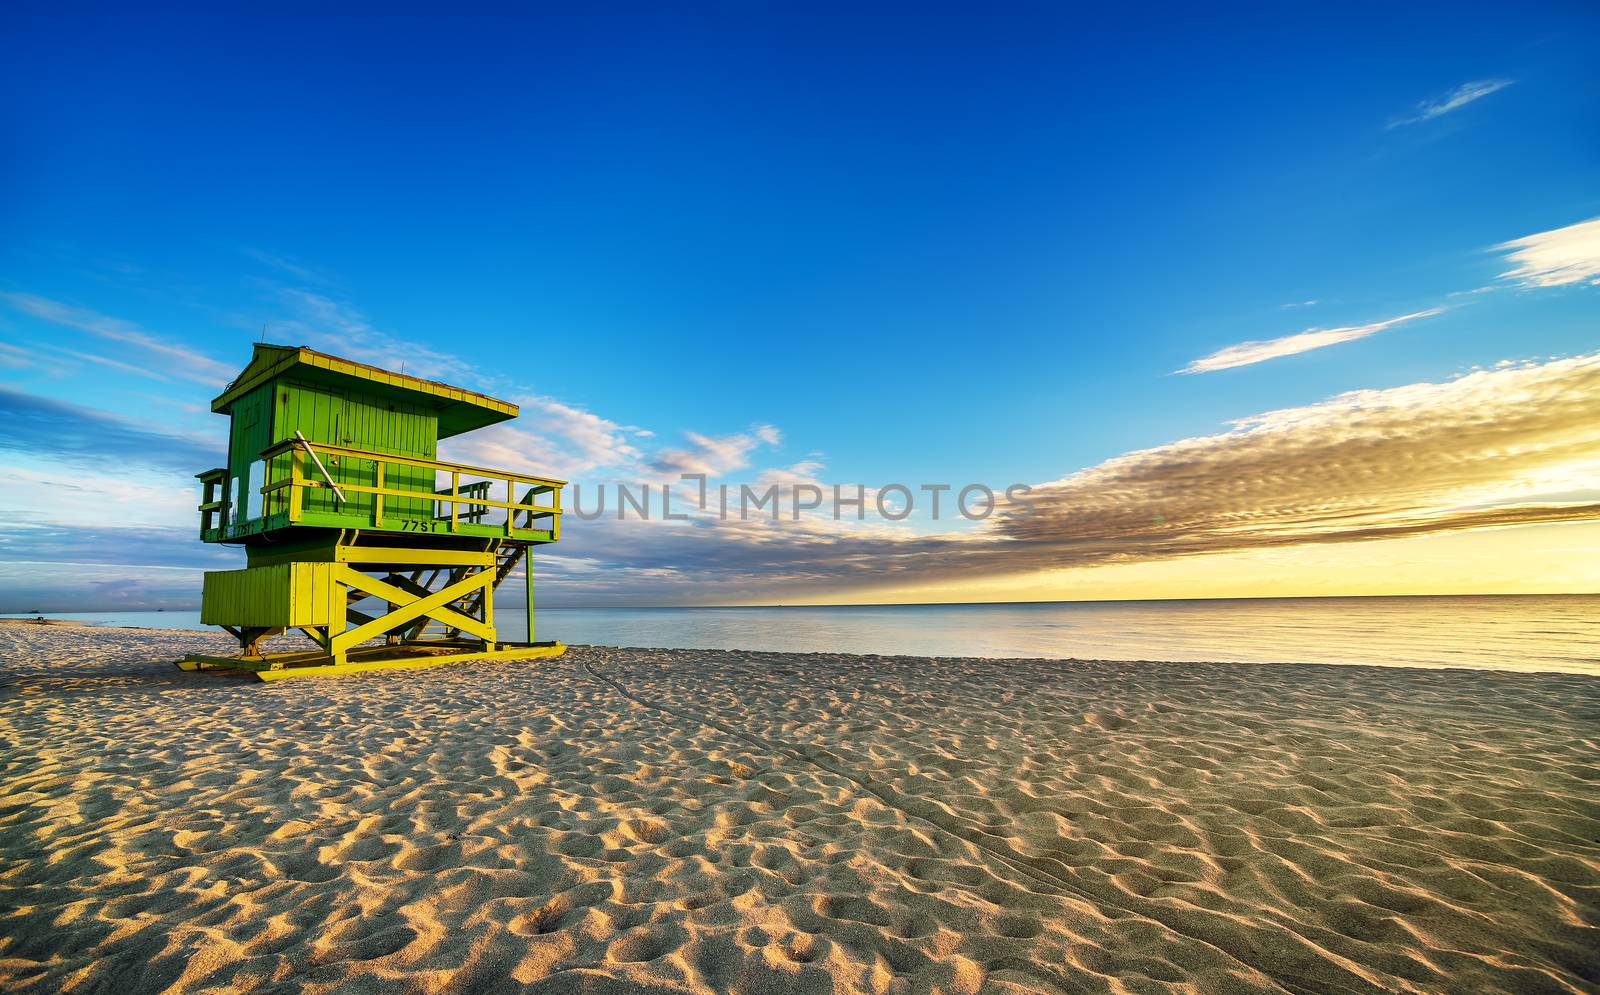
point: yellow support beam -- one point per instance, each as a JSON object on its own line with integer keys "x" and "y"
{"x": 412, "y": 663}
{"x": 413, "y": 557}
{"x": 408, "y": 656}
{"x": 381, "y": 555}
{"x": 408, "y": 606}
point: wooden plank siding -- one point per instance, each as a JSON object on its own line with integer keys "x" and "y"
{"x": 359, "y": 421}
{"x": 351, "y": 414}
{"x": 251, "y": 432}
{"x": 280, "y": 595}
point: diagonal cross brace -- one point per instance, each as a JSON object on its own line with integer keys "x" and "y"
{"x": 408, "y": 606}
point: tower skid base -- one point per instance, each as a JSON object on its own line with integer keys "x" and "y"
{"x": 417, "y": 655}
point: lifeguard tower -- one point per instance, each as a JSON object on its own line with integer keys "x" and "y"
{"x": 354, "y": 530}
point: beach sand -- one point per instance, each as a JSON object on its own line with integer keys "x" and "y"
{"x": 623, "y": 820}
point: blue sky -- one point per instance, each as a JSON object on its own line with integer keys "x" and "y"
{"x": 922, "y": 246}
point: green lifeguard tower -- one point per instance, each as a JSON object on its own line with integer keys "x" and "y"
{"x": 353, "y": 530}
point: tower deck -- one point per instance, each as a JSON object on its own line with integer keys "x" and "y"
{"x": 337, "y": 487}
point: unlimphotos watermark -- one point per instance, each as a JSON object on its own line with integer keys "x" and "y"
{"x": 891, "y": 502}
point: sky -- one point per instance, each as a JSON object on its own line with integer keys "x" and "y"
{"x": 1266, "y": 301}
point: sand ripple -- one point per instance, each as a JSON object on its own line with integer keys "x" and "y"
{"x": 650, "y": 820}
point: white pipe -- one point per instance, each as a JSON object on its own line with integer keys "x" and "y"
{"x": 322, "y": 469}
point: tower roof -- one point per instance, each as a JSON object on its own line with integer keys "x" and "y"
{"x": 458, "y": 410}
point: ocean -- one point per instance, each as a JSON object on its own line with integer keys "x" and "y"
{"x": 1497, "y": 632}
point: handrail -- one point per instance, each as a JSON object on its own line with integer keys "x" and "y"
{"x": 413, "y": 495}
{"x": 427, "y": 464}
{"x": 474, "y": 494}
{"x": 320, "y": 468}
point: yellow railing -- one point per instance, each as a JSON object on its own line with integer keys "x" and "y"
{"x": 297, "y": 467}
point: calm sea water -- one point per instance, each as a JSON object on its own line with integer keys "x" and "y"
{"x": 1503, "y": 632}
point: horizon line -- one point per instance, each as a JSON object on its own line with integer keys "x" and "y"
{"x": 931, "y": 604}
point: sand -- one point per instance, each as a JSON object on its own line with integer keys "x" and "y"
{"x": 628, "y": 820}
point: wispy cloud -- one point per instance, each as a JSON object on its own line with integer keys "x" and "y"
{"x": 1261, "y": 350}
{"x": 73, "y": 495}
{"x": 91, "y": 540}
{"x": 338, "y": 326}
{"x": 298, "y": 270}
{"x": 16, "y": 358}
{"x": 550, "y": 438}
{"x": 1555, "y": 258}
{"x": 179, "y": 360}
{"x": 41, "y": 427}
{"x": 109, "y": 363}
{"x": 1456, "y": 99}
{"x": 801, "y": 474}
{"x": 716, "y": 455}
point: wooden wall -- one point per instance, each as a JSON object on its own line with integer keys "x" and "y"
{"x": 333, "y": 416}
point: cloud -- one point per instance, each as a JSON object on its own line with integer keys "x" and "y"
{"x": 1518, "y": 444}
{"x": 178, "y": 360}
{"x": 1483, "y": 450}
{"x": 1509, "y": 446}
{"x": 1248, "y": 353}
{"x": 81, "y": 494}
{"x": 596, "y": 441}
{"x": 714, "y": 455}
{"x": 1555, "y": 258}
{"x": 15, "y": 358}
{"x": 28, "y": 586}
{"x": 1456, "y": 99}
{"x": 550, "y": 438}
{"x": 317, "y": 319}
{"x": 1512, "y": 446}
{"x": 30, "y": 541}
{"x": 109, "y": 363}
{"x": 41, "y": 427}
{"x": 803, "y": 473}
{"x": 295, "y": 269}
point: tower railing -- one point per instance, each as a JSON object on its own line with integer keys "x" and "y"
{"x": 309, "y": 483}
